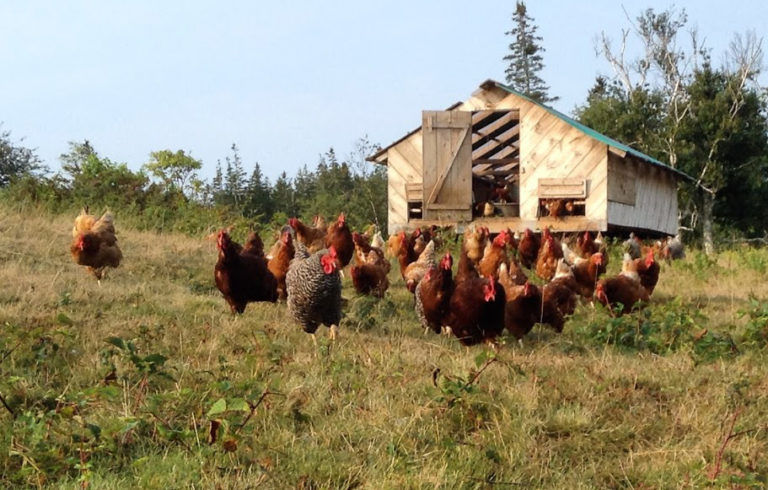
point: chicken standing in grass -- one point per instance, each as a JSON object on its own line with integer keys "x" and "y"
{"x": 314, "y": 290}
{"x": 648, "y": 270}
{"x": 476, "y": 311}
{"x": 242, "y": 274}
{"x": 340, "y": 238}
{"x": 528, "y": 248}
{"x": 624, "y": 289}
{"x": 433, "y": 294}
{"x": 415, "y": 271}
{"x": 280, "y": 261}
{"x": 495, "y": 255}
{"x": 95, "y": 243}
{"x": 313, "y": 237}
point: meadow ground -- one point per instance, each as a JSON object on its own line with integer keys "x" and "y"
{"x": 148, "y": 381}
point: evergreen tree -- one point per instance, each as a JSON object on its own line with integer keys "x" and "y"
{"x": 524, "y": 58}
{"x": 283, "y": 198}
{"x": 259, "y": 200}
{"x": 304, "y": 186}
{"x": 234, "y": 180}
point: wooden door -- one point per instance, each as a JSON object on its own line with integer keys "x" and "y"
{"x": 447, "y": 153}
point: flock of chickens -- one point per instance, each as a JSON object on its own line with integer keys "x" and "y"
{"x": 489, "y": 293}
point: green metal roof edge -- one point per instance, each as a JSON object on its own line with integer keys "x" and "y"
{"x": 593, "y": 133}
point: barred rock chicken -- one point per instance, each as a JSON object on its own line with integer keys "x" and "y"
{"x": 495, "y": 255}
{"x": 549, "y": 253}
{"x": 313, "y": 238}
{"x": 433, "y": 294}
{"x": 586, "y": 272}
{"x": 415, "y": 271}
{"x": 648, "y": 270}
{"x": 340, "y": 238}
{"x": 280, "y": 261}
{"x": 314, "y": 290}
{"x": 370, "y": 278}
{"x": 242, "y": 276}
{"x": 528, "y": 248}
{"x": 476, "y": 311}
{"x": 624, "y": 288}
{"x": 95, "y": 243}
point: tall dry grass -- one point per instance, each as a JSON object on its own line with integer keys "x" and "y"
{"x": 386, "y": 406}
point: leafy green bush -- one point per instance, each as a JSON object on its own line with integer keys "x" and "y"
{"x": 756, "y": 329}
{"x": 658, "y": 328}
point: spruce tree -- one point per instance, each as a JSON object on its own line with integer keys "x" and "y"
{"x": 259, "y": 202}
{"x": 524, "y": 58}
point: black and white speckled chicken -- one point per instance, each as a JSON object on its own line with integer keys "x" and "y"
{"x": 314, "y": 289}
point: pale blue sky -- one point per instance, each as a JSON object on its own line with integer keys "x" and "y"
{"x": 285, "y": 80}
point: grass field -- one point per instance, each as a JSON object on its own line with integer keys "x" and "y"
{"x": 148, "y": 381}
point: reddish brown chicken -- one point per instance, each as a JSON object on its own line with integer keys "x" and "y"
{"x": 369, "y": 279}
{"x": 550, "y": 252}
{"x": 434, "y": 293}
{"x": 254, "y": 245}
{"x": 586, "y": 245}
{"x": 419, "y": 241}
{"x": 242, "y": 277}
{"x": 311, "y": 237}
{"x": 340, "y": 238}
{"x": 624, "y": 289}
{"x": 559, "y": 297}
{"x": 466, "y": 270}
{"x": 280, "y": 261}
{"x": 363, "y": 251}
{"x": 586, "y": 272}
{"x": 523, "y": 309}
{"x": 648, "y": 270}
{"x": 494, "y": 256}
{"x": 404, "y": 249}
{"x": 528, "y": 248}
{"x": 476, "y": 311}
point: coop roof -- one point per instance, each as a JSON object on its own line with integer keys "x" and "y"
{"x": 589, "y": 131}
{"x": 616, "y": 145}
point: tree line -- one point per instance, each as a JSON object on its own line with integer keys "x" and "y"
{"x": 167, "y": 193}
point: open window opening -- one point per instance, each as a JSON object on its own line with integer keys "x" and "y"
{"x": 496, "y": 163}
{"x": 414, "y": 198}
{"x": 559, "y": 198}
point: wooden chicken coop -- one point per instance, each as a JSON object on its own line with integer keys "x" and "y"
{"x": 502, "y": 160}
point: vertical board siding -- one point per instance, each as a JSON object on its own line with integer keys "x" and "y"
{"x": 655, "y": 200}
{"x": 549, "y": 148}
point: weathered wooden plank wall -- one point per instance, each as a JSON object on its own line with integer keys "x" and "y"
{"x": 655, "y": 196}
